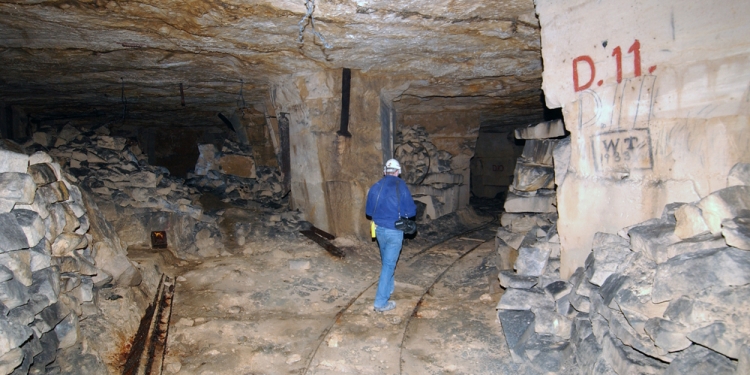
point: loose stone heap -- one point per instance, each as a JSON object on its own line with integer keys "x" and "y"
{"x": 232, "y": 175}
{"x": 135, "y": 197}
{"x": 428, "y": 173}
{"x": 666, "y": 296}
{"x": 534, "y": 177}
{"x": 50, "y": 264}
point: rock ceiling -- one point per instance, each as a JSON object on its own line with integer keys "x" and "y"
{"x": 81, "y": 58}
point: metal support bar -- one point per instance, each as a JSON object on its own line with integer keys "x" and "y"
{"x": 322, "y": 238}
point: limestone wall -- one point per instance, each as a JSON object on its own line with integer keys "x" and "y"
{"x": 58, "y": 258}
{"x": 655, "y": 96}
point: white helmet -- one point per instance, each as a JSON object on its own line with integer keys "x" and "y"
{"x": 391, "y": 166}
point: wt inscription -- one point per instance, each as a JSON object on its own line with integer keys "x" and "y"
{"x": 622, "y": 150}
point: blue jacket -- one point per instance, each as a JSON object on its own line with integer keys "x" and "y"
{"x": 383, "y": 204}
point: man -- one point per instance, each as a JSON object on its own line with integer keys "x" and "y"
{"x": 386, "y": 199}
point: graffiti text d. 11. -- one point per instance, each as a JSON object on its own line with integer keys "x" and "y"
{"x": 581, "y": 61}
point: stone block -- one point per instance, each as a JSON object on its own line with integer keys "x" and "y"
{"x": 531, "y": 261}
{"x": 531, "y": 177}
{"x": 538, "y": 151}
{"x": 31, "y": 224}
{"x": 633, "y": 298}
{"x": 206, "y": 159}
{"x": 46, "y": 283}
{"x": 42, "y": 174}
{"x": 739, "y": 175}
{"x": 626, "y": 360}
{"x": 558, "y": 289}
{"x": 736, "y": 232}
{"x": 510, "y": 279}
{"x": 668, "y": 335}
{"x": 67, "y": 331}
{"x": 49, "y": 343}
{"x": 689, "y": 221}
{"x": 668, "y": 213}
{"x": 54, "y": 192}
{"x": 609, "y": 254}
{"x": 39, "y": 157}
{"x": 65, "y": 243}
{"x": 688, "y": 274}
{"x": 12, "y": 335}
{"x": 111, "y": 143}
{"x": 525, "y": 299}
{"x": 721, "y": 338}
{"x": 144, "y": 179}
{"x": 115, "y": 263}
{"x": 13, "y": 162}
{"x": 39, "y": 206}
{"x": 724, "y": 204}
{"x": 514, "y": 324}
{"x": 653, "y": 240}
{"x": 699, "y": 360}
{"x": 700, "y": 242}
{"x": 19, "y": 263}
{"x": 10, "y": 360}
{"x": 13, "y": 293}
{"x": 542, "y": 130}
{"x": 514, "y": 240}
{"x": 537, "y": 203}
{"x": 563, "y": 306}
{"x": 548, "y": 322}
{"x": 17, "y": 187}
{"x": 545, "y": 353}
{"x": 443, "y": 178}
{"x": 579, "y": 302}
{"x": 23, "y": 315}
{"x": 5, "y": 273}
{"x": 50, "y": 317}
{"x": 588, "y": 349}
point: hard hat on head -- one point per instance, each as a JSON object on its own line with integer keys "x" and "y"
{"x": 391, "y": 166}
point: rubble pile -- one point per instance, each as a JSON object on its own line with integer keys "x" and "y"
{"x": 533, "y": 188}
{"x": 50, "y": 263}
{"x": 666, "y": 296}
{"x": 428, "y": 173}
{"x": 137, "y": 198}
{"x": 232, "y": 175}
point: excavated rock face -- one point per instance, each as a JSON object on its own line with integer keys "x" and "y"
{"x": 133, "y": 59}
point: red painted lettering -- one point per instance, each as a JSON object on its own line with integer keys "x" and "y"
{"x": 588, "y": 60}
{"x": 635, "y": 49}
{"x": 617, "y": 53}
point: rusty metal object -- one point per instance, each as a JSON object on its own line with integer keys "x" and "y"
{"x": 150, "y": 342}
{"x": 158, "y": 240}
{"x": 322, "y": 238}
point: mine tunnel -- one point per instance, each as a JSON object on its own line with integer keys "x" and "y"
{"x": 183, "y": 187}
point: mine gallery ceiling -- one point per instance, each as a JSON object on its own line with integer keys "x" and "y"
{"x": 100, "y": 58}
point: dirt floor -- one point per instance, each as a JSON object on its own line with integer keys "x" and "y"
{"x": 289, "y": 307}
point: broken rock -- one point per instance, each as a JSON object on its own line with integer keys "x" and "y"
{"x": 688, "y": 274}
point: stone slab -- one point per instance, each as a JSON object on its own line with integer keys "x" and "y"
{"x": 736, "y": 232}
{"x": 510, "y": 279}
{"x": 724, "y": 204}
{"x": 537, "y": 203}
{"x": 542, "y": 130}
{"x": 525, "y": 299}
{"x": 531, "y": 261}
{"x": 739, "y": 175}
{"x": 688, "y": 274}
{"x": 17, "y": 187}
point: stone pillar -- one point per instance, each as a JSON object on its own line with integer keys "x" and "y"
{"x": 656, "y": 101}
{"x": 331, "y": 173}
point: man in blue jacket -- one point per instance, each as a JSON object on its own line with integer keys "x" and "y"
{"x": 388, "y": 199}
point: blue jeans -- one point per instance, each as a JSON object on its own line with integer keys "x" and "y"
{"x": 389, "y": 241}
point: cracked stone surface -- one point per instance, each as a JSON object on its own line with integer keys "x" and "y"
{"x": 91, "y": 55}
